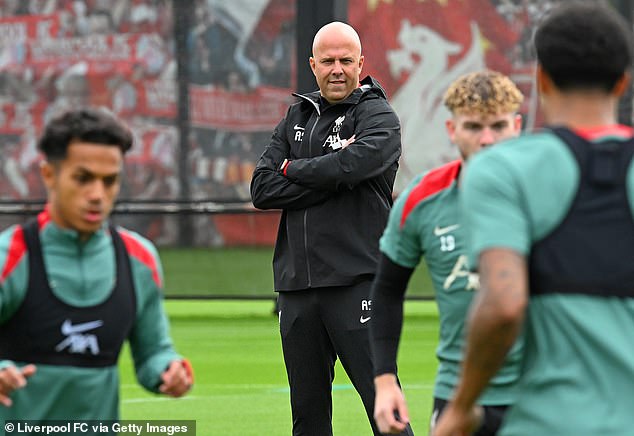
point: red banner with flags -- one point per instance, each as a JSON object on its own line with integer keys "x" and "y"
{"x": 28, "y": 27}
{"x": 260, "y": 109}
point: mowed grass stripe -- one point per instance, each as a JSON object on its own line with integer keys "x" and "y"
{"x": 241, "y": 386}
{"x": 239, "y": 271}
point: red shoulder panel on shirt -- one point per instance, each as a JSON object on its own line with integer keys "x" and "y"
{"x": 434, "y": 181}
{"x": 43, "y": 218}
{"x": 17, "y": 246}
{"x": 17, "y": 249}
{"x": 138, "y": 251}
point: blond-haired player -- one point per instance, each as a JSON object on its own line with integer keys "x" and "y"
{"x": 426, "y": 222}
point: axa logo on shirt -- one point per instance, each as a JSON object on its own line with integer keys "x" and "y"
{"x": 76, "y": 340}
{"x": 461, "y": 270}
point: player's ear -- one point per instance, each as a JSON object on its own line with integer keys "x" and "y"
{"x": 47, "y": 172}
{"x": 311, "y": 61}
{"x": 622, "y": 84}
{"x": 517, "y": 122}
{"x": 544, "y": 82}
{"x": 450, "y": 126}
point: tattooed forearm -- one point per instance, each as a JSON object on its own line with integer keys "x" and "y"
{"x": 503, "y": 278}
{"x": 495, "y": 320}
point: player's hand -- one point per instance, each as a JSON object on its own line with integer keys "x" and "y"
{"x": 390, "y": 410}
{"x": 347, "y": 142}
{"x": 457, "y": 422}
{"x": 177, "y": 379}
{"x": 12, "y": 378}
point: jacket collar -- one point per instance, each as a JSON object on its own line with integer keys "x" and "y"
{"x": 366, "y": 85}
{"x": 46, "y": 224}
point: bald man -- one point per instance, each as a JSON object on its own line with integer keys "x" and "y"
{"x": 330, "y": 167}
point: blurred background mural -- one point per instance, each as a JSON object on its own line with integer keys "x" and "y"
{"x": 202, "y": 84}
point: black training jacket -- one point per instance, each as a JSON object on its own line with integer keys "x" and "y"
{"x": 335, "y": 200}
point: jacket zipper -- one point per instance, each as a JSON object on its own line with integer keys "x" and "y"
{"x": 306, "y": 248}
{"x": 310, "y": 140}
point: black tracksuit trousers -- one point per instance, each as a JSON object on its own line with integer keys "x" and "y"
{"x": 318, "y": 326}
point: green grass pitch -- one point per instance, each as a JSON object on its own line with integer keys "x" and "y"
{"x": 231, "y": 272}
{"x": 241, "y": 386}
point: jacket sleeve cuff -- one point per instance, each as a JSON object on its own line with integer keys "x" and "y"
{"x": 284, "y": 166}
{"x": 149, "y": 374}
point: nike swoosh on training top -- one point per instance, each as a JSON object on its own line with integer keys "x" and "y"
{"x": 297, "y": 127}
{"x": 363, "y": 320}
{"x": 439, "y": 231}
{"x": 68, "y": 328}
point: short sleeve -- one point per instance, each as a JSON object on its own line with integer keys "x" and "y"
{"x": 401, "y": 241}
{"x": 493, "y": 207}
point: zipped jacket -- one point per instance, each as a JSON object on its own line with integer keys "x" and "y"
{"x": 335, "y": 199}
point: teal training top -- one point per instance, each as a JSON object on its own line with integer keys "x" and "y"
{"x": 578, "y": 375}
{"x": 81, "y": 274}
{"x": 426, "y": 221}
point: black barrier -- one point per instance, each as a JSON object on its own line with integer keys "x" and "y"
{"x": 151, "y": 207}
